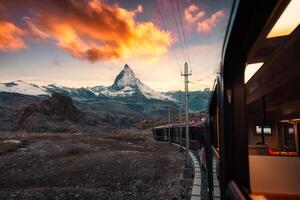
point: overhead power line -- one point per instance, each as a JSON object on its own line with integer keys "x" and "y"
{"x": 198, "y": 84}
{"x": 183, "y": 34}
{"x": 179, "y": 35}
{"x": 169, "y": 37}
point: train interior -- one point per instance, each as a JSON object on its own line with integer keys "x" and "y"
{"x": 273, "y": 107}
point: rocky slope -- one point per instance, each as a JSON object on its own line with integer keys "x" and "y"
{"x": 54, "y": 114}
{"x": 59, "y": 113}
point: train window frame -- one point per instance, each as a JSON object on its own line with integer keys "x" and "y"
{"x": 289, "y": 139}
{"x": 258, "y": 129}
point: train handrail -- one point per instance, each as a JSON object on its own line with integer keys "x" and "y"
{"x": 215, "y": 152}
{"x": 233, "y": 192}
{"x": 215, "y": 165}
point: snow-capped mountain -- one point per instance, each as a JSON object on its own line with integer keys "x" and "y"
{"x": 126, "y": 84}
{"x": 126, "y": 78}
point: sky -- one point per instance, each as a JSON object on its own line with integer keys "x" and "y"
{"x": 79, "y": 43}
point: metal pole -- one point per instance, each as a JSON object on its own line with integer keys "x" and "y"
{"x": 169, "y": 129}
{"x": 264, "y": 121}
{"x": 187, "y": 137}
{"x": 180, "y": 125}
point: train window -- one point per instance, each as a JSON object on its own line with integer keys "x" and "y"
{"x": 289, "y": 138}
{"x": 251, "y": 69}
{"x": 267, "y": 130}
{"x": 193, "y": 133}
{"x": 290, "y": 130}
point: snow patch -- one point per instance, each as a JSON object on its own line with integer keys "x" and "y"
{"x": 23, "y": 88}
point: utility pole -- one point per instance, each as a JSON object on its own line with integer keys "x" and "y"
{"x": 169, "y": 129}
{"x": 186, "y": 75}
{"x": 180, "y": 125}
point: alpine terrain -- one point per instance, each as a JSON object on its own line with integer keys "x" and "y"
{"x": 124, "y": 104}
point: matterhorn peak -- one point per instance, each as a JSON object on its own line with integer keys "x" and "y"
{"x": 126, "y": 84}
{"x": 126, "y": 66}
{"x": 126, "y": 78}
{"x": 128, "y": 71}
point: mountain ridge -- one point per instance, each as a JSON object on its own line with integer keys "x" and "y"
{"x": 124, "y": 104}
{"x": 126, "y": 89}
{"x": 125, "y": 84}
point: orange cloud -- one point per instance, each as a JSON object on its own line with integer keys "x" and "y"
{"x": 94, "y": 30}
{"x": 192, "y": 13}
{"x": 207, "y": 25}
{"x": 10, "y": 37}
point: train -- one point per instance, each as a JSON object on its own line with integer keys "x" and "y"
{"x": 177, "y": 134}
{"x": 251, "y": 136}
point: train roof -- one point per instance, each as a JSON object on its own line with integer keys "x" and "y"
{"x": 191, "y": 124}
